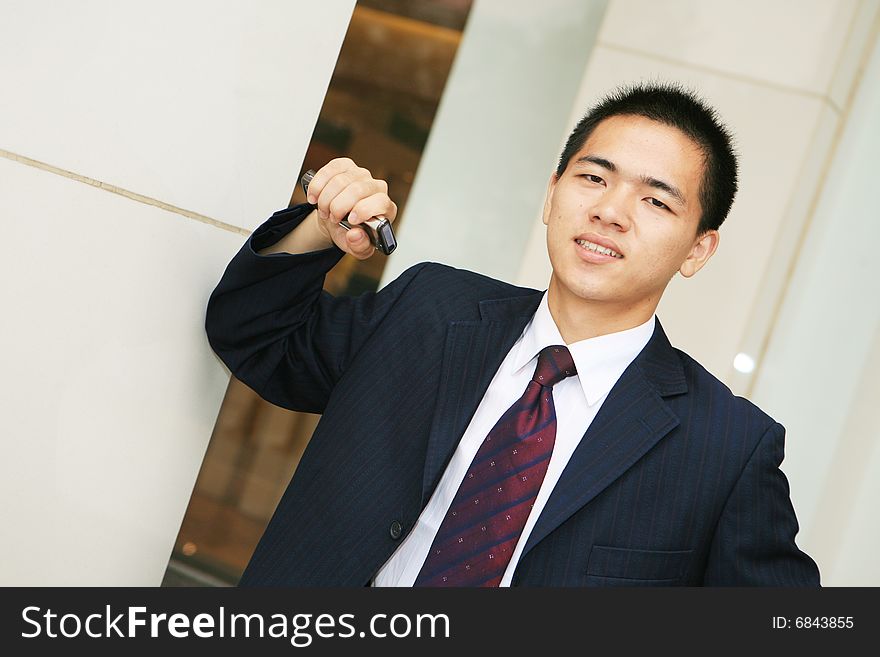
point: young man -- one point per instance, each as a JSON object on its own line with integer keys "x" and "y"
{"x": 475, "y": 433}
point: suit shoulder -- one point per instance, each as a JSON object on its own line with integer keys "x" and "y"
{"x": 705, "y": 384}
{"x": 464, "y": 281}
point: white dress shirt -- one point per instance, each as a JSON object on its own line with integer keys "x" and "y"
{"x": 600, "y": 361}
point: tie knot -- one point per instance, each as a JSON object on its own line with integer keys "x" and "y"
{"x": 554, "y": 364}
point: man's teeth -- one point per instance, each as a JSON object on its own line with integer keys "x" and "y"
{"x": 598, "y": 249}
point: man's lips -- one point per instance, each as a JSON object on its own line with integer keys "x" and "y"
{"x": 599, "y": 245}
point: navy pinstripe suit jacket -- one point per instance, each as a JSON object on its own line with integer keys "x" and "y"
{"x": 676, "y": 482}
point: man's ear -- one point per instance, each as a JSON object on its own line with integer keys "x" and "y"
{"x": 701, "y": 251}
{"x": 548, "y": 198}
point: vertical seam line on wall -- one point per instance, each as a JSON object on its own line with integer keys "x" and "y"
{"x": 720, "y": 73}
{"x": 134, "y": 196}
{"x": 870, "y": 44}
{"x": 849, "y": 32}
{"x": 755, "y": 313}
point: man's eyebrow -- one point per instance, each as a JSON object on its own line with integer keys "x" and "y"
{"x": 600, "y": 161}
{"x": 672, "y": 190}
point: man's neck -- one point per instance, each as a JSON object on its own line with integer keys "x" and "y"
{"x": 578, "y": 319}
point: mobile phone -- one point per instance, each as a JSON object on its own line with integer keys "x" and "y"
{"x": 378, "y": 229}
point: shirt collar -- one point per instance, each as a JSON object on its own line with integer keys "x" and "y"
{"x": 600, "y": 361}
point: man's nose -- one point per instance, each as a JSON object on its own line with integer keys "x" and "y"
{"x": 613, "y": 207}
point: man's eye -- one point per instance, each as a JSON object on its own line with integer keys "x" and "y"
{"x": 592, "y": 178}
{"x": 658, "y": 204}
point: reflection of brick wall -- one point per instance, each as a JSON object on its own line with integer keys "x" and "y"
{"x": 254, "y": 450}
{"x": 281, "y": 437}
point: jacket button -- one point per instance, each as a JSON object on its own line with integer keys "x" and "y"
{"x": 396, "y": 530}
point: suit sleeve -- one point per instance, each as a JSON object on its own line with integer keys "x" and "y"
{"x": 278, "y": 331}
{"x": 754, "y": 541}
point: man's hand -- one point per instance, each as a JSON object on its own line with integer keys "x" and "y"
{"x": 342, "y": 188}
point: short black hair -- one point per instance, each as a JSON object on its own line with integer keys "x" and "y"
{"x": 675, "y": 106}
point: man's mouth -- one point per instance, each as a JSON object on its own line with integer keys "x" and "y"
{"x": 596, "y": 248}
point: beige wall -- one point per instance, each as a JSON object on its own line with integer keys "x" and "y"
{"x": 139, "y": 143}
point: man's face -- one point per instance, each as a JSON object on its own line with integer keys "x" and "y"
{"x": 633, "y": 187}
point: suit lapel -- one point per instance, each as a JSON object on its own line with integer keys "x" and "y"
{"x": 472, "y": 354}
{"x": 633, "y": 418}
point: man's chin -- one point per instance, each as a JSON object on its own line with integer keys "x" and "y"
{"x": 587, "y": 293}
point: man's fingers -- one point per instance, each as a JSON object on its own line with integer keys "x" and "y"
{"x": 328, "y": 193}
{"x": 333, "y": 178}
{"x": 343, "y": 190}
{"x": 376, "y": 205}
{"x": 349, "y": 196}
{"x": 325, "y": 173}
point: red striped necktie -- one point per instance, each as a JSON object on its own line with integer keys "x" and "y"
{"x": 476, "y": 539}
